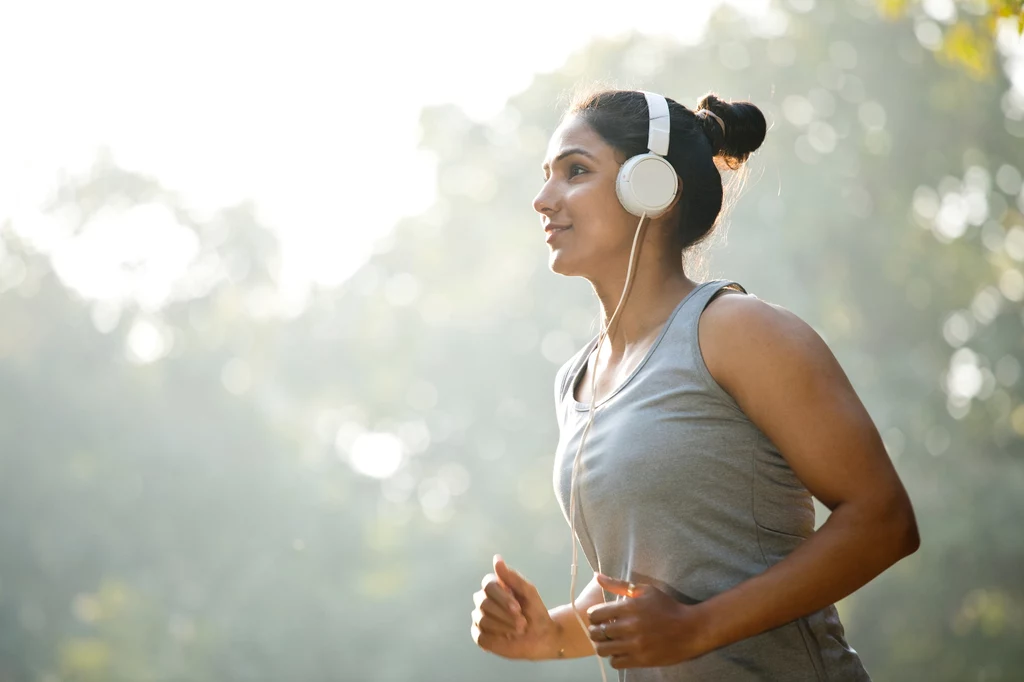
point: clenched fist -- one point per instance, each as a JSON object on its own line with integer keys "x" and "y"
{"x": 510, "y": 618}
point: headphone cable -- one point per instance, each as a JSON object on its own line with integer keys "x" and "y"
{"x": 586, "y": 430}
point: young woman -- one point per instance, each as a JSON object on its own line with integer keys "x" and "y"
{"x": 716, "y": 416}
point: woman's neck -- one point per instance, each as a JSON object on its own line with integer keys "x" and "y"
{"x": 651, "y": 299}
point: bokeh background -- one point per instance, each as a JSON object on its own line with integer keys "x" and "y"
{"x": 278, "y": 337}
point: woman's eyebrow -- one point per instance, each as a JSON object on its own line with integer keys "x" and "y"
{"x": 569, "y": 152}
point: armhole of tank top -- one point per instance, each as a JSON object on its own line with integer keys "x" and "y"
{"x": 698, "y": 356}
{"x": 560, "y": 380}
{"x": 559, "y": 386}
{"x": 569, "y": 369}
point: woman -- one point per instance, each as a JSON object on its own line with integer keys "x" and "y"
{"x": 718, "y": 417}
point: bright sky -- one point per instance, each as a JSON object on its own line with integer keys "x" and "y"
{"x": 309, "y": 109}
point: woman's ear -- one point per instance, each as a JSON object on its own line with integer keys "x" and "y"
{"x": 670, "y": 218}
{"x": 679, "y": 195}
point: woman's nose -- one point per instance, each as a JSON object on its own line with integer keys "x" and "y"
{"x": 544, "y": 202}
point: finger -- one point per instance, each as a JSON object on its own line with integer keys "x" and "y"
{"x": 523, "y": 589}
{"x": 487, "y": 606}
{"x": 623, "y": 588}
{"x": 480, "y": 597}
{"x": 482, "y": 639}
{"x": 504, "y": 573}
{"x": 615, "y": 647}
{"x": 492, "y": 578}
{"x": 612, "y": 630}
{"x": 511, "y": 622}
{"x": 623, "y": 661}
{"x": 491, "y": 625}
{"x": 502, "y": 596}
{"x": 609, "y": 611}
{"x": 511, "y": 577}
{"x": 493, "y": 643}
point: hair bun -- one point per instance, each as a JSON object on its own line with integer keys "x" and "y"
{"x": 745, "y": 128}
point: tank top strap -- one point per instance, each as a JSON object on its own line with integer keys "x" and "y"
{"x": 686, "y": 336}
{"x": 682, "y": 324}
{"x": 707, "y": 291}
{"x": 694, "y": 305}
{"x": 699, "y": 300}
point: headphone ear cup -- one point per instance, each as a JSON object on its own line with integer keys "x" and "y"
{"x": 647, "y": 183}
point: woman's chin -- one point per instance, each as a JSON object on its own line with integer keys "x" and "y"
{"x": 560, "y": 265}
{"x": 557, "y": 263}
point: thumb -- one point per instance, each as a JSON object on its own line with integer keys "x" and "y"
{"x": 623, "y": 588}
{"x": 502, "y": 570}
{"x": 511, "y": 580}
{"x": 508, "y": 577}
{"x": 522, "y": 588}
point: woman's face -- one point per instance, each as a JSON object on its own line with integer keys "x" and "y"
{"x": 587, "y": 229}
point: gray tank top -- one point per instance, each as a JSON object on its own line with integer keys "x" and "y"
{"x": 679, "y": 489}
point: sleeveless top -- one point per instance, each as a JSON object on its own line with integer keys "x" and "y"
{"x": 677, "y": 488}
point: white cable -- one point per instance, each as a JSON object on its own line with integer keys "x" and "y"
{"x": 583, "y": 437}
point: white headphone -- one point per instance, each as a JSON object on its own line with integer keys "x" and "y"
{"x": 646, "y": 186}
{"x": 647, "y": 183}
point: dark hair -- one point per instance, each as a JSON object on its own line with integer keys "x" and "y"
{"x": 620, "y": 117}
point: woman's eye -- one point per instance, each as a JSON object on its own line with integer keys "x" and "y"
{"x": 572, "y": 172}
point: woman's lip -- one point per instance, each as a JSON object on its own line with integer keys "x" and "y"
{"x": 558, "y": 230}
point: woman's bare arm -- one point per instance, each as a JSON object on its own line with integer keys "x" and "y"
{"x": 573, "y": 641}
{"x": 786, "y": 380}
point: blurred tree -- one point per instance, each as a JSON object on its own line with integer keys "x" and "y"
{"x": 961, "y": 32}
{"x": 199, "y": 489}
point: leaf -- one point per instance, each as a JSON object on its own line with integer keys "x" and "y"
{"x": 892, "y": 9}
{"x": 970, "y": 48}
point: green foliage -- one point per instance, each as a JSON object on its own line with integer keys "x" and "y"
{"x": 967, "y": 36}
{"x": 197, "y": 517}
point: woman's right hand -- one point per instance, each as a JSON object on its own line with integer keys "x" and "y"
{"x": 510, "y": 618}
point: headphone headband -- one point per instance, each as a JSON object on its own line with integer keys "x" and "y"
{"x": 658, "y": 130}
{"x": 647, "y": 183}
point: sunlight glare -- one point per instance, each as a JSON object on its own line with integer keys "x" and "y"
{"x": 378, "y": 455}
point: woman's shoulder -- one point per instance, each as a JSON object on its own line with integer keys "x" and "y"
{"x": 730, "y": 311}
{"x": 742, "y": 336}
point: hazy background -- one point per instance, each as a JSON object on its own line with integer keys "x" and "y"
{"x": 278, "y": 337}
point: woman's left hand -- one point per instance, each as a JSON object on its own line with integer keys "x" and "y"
{"x": 646, "y": 629}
